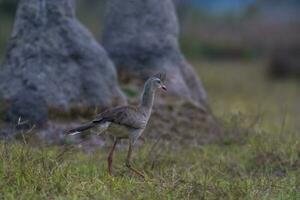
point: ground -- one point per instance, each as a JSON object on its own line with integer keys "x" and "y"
{"x": 259, "y": 158}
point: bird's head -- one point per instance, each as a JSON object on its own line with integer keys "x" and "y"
{"x": 158, "y": 81}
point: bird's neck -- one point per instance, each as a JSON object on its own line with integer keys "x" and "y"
{"x": 147, "y": 98}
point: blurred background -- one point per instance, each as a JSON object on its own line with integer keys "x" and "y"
{"x": 213, "y": 29}
{"x": 238, "y": 47}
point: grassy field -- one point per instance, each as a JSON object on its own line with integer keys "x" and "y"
{"x": 260, "y": 159}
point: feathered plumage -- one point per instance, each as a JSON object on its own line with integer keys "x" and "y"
{"x": 127, "y": 121}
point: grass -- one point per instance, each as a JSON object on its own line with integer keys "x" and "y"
{"x": 260, "y": 159}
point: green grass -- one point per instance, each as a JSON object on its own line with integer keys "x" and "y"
{"x": 260, "y": 159}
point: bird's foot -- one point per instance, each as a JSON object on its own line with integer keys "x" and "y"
{"x": 135, "y": 170}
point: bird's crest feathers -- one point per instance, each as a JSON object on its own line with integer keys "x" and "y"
{"x": 161, "y": 76}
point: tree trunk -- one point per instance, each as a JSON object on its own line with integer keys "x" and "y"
{"x": 51, "y": 55}
{"x": 142, "y": 39}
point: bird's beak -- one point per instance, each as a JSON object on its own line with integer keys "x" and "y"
{"x": 164, "y": 87}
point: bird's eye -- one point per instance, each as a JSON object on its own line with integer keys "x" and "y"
{"x": 158, "y": 81}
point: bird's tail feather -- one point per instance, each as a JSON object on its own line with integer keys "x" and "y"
{"x": 81, "y": 128}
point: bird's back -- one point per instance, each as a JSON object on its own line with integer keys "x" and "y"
{"x": 129, "y": 116}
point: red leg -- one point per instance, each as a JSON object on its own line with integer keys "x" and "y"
{"x": 128, "y": 162}
{"x": 110, "y": 156}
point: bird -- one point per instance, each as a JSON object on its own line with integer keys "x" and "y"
{"x": 126, "y": 122}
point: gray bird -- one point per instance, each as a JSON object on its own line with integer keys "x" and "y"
{"x": 126, "y": 122}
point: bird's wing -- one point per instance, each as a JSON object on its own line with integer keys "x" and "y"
{"x": 125, "y": 115}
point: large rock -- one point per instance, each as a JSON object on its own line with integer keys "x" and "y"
{"x": 284, "y": 62}
{"x": 51, "y": 53}
{"x": 33, "y": 113}
{"x": 142, "y": 38}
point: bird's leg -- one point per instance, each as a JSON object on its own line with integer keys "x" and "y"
{"x": 128, "y": 161}
{"x": 110, "y": 156}
{"x": 143, "y": 139}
